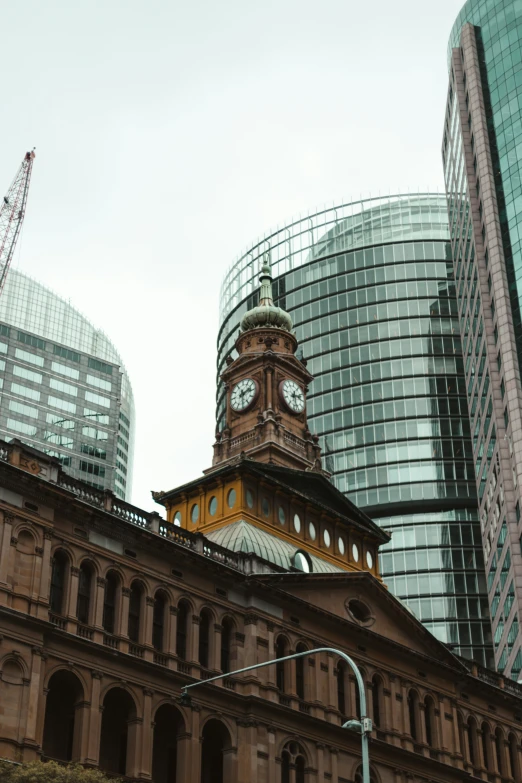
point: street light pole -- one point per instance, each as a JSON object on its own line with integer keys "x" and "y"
{"x": 364, "y": 725}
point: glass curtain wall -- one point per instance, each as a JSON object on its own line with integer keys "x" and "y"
{"x": 370, "y": 290}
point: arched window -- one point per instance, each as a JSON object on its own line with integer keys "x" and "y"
{"x": 182, "y": 630}
{"x": 293, "y": 758}
{"x": 300, "y": 671}
{"x": 341, "y": 688}
{"x": 205, "y": 622}
{"x": 135, "y": 601}
{"x": 485, "y": 738}
{"x": 413, "y": 711}
{"x": 429, "y": 721}
{"x": 117, "y": 731}
{"x": 226, "y": 644}
{"x": 214, "y": 759}
{"x": 472, "y": 741}
{"x": 168, "y": 725}
{"x": 158, "y": 621}
{"x": 377, "y": 700}
{"x": 280, "y": 652}
{"x": 83, "y": 604}
{"x": 62, "y": 732}
{"x": 112, "y": 583}
{"x": 58, "y": 576}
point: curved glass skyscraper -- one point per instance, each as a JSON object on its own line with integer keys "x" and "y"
{"x": 482, "y": 154}
{"x": 64, "y": 387}
{"x": 369, "y": 288}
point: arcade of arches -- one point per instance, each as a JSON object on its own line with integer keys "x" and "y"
{"x": 103, "y": 621}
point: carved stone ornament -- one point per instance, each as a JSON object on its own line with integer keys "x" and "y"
{"x": 75, "y": 571}
{"x": 125, "y": 591}
{"x": 100, "y": 581}
{"x": 149, "y": 601}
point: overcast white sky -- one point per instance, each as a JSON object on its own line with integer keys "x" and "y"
{"x": 170, "y": 135}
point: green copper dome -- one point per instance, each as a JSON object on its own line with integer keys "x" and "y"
{"x": 266, "y": 313}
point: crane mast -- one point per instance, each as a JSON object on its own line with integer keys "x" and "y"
{"x": 12, "y": 212}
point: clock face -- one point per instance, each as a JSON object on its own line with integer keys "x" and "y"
{"x": 243, "y": 394}
{"x": 293, "y": 396}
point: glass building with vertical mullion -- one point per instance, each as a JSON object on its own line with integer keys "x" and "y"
{"x": 369, "y": 286}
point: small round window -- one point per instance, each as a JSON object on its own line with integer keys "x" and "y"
{"x": 194, "y": 513}
{"x": 355, "y": 552}
{"x": 302, "y": 562}
{"x": 369, "y": 559}
{"x": 231, "y": 498}
{"x": 281, "y": 514}
{"x": 326, "y": 538}
{"x": 311, "y": 531}
{"x": 359, "y": 610}
{"x": 297, "y": 523}
{"x": 340, "y": 545}
{"x": 265, "y": 505}
{"x": 250, "y": 498}
{"x": 212, "y": 506}
{"x": 177, "y": 518}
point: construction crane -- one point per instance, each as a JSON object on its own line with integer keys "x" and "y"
{"x": 12, "y": 211}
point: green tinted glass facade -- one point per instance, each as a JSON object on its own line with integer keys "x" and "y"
{"x": 370, "y": 290}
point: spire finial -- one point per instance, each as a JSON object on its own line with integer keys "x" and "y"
{"x": 266, "y": 297}
{"x": 266, "y": 314}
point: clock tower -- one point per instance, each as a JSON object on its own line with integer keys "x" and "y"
{"x": 266, "y": 392}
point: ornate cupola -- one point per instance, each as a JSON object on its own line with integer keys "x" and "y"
{"x": 266, "y": 392}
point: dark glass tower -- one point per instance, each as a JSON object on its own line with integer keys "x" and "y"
{"x": 370, "y": 290}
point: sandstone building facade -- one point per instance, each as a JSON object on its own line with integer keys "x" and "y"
{"x": 107, "y": 612}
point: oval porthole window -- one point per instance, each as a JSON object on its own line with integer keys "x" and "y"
{"x": 326, "y": 538}
{"x": 355, "y": 552}
{"x": 177, "y": 518}
{"x": 297, "y": 523}
{"x": 369, "y": 559}
{"x": 311, "y": 531}
{"x": 212, "y": 506}
{"x": 359, "y": 610}
{"x": 340, "y": 545}
{"x": 265, "y": 505}
{"x": 250, "y": 498}
{"x": 194, "y": 513}
{"x": 231, "y": 498}
{"x": 282, "y": 515}
{"x": 302, "y": 562}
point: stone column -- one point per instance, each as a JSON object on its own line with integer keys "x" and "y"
{"x": 147, "y": 735}
{"x": 6, "y": 546}
{"x": 134, "y": 749}
{"x": 214, "y": 653}
{"x": 272, "y": 763}
{"x": 395, "y": 725}
{"x": 171, "y": 641}
{"x": 247, "y": 761}
{"x": 332, "y": 690}
{"x": 320, "y": 761}
{"x": 183, "y": 757}
{"x": 45, "y": 576}
{"x": 195, "y": 746}
{"x": 193, "y": 639}
{"x": 407, "y": 739}
{"x": 98, "y": 609}
{"x": 90, "y": 744}
{"x": 33, "y": 698}
{"x": 334, "y": 759}
{"x": 73, "y": 599}
{"x": 124, "y": 618}
{"x": 444, "y": 730}
{"x": 146, "y": 634}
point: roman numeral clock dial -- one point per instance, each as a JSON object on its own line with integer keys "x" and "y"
{"x": 244, "y": 394}
{"x": 293, "y": 396}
